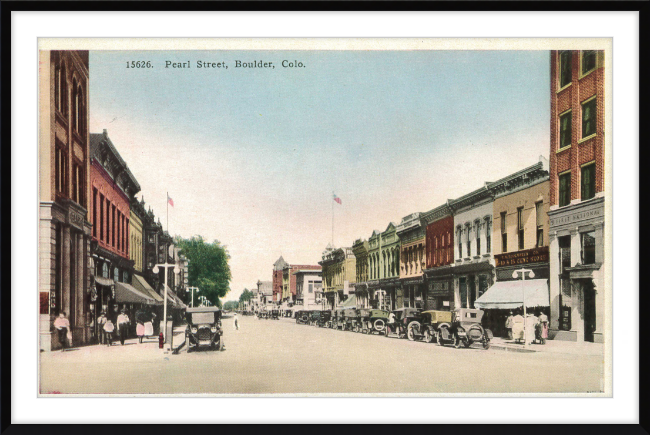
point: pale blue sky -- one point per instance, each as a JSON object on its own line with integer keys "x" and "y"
{"x": 251, "y": 156}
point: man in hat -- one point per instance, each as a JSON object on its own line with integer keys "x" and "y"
{"x": 101, "y": 321}
{"x": 122, "y": 325}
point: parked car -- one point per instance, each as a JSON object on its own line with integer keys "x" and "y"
{"x": 332, "y": 322}
{"x": 314, "y": 316}
{"x": 404, "y": 320}
{"x": 340, "y": 319}
{"x": 464, "y": 329}
{"x": 203, "y": 328}
{"x": 373, "y": 320}
{"x": 324, "y": 318}
{"x": 275, "y": 314}
{"x": 302, "y": 317}
{"x": 350, "y": 319}
{"x": 427, "y": 328}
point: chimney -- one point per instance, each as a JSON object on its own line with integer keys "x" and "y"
{"x": 105, "y": 133}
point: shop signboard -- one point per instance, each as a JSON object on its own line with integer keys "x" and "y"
{"x": 536, "y": 255}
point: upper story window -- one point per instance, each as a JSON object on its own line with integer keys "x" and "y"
{"x": 564, "y": 189}
{"x": 520, "y": 227}
{"x": 61, "y": 168}
{"x": 589, "y": 118}
{"x": 504, "y": 233}
{"x": 588, "y": 181}
{"x": 60, "y": 89}
{"x": 588, "y": 252}
{"x": 565, "y": 67}
{"x": 488, "y": 235}
{"x": 565, "y": 129}
{"x": 78, "y": 184}
{"x": 459, "y": 233}
{"x": 539, "y": 219}
{"x": 588, "y": 61}
{"x": 477, "y": 226}
{"x": 468, "y": 240}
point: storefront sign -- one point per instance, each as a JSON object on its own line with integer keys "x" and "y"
{"x": 409, "y": 281}
{"x": 438, "y": 288}
{"x": 76, "y": 219}
{"x": 570, "y": 218}
{"x": 537, "y": 255}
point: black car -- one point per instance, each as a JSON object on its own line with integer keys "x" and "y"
{"x": 203, "y": 328}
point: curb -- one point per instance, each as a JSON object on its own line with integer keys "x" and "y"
{"x": 512, "y": 349}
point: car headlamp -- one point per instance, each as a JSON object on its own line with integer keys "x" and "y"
{"x": 194, "y": 330}
{"x": 213, "y": 329}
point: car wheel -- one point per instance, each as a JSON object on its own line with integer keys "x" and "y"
{"x": 427, "y": 336}
{"x": 486, "y": 344}
{"x": 457, "y": 342}
{"x": 379, "y": 325}
{"x": 467, "y": 343}
{"x": 410, "y": 330}
{"x": 439, "y": 339}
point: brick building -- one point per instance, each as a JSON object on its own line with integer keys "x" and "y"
{"x": 64, "y": 227}
{"x": 278, "y": 268}
{"x": 439, "y": 258}
{"x": 577, "y": 203}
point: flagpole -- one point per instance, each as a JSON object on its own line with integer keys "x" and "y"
{"x": 332, "y": 219}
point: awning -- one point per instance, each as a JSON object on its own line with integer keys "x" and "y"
{"x": 104, "y": 281}
{"x": 173, "y": 299}
{"x": 509, "y": 294}
{"x": 126, "y": 293}
{"x": 350, "y": 302}
{"x": 143, "y": 286}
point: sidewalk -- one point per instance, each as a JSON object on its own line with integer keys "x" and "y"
{"x": 551, "y": 346}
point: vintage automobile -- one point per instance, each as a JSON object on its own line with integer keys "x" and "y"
{"x": 302, "y": 317}
{"x": 333, "y": 320}
{"x": 426, "y": 328}
{"x": 349, "y": 319}
{"x": 313, "y": 318}
{"x": 373, "y": 320}
{"x": 203, "y": 328}
{"x": 465, "y": 328}
{"x": 404, "y": 318}
{"x": 275, "y": 314}
{"x": 340, "y": 319}
{"x": 324, "y": 318}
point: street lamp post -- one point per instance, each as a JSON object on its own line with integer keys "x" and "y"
{"x": 515, "y": 275}
{"x": 177, "y": 270}
{"x": 192, "y": 289}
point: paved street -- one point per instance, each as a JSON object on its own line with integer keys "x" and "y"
{"x": 279, "y": 356}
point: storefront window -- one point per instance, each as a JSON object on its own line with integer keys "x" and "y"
{"x": 564, "y": 243}
{"x": 482, "y": 285}
{"x": 565, "y": 309}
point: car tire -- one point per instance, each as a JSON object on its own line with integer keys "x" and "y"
{"x": 486, "y": 344}
{"x": 379, "y": 325}
{"x": 410, "y": 330}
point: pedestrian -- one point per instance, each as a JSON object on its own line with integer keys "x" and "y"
{"x": 148, "y": 325}
{"x": 236, "y": 322}
{"x": 391, "y": 321}
{"x": 101, "y": 321}
{"x": 109, "y": 328}
{"x": 140, "y": 318}
{"x": 542, "y": 320}
{"x": 509, "y": 323}
{"x": 62, "y": 325}
{"x": 122, "y": 325}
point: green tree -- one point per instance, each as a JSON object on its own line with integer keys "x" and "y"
{"x": 246, "y": 295}
{"x": 230, "y": 305}
{"x": 208, "y": 267}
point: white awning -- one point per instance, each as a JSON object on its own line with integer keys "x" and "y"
{"x": 509, "y": 294}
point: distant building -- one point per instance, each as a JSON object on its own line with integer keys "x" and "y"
{"x": 360, "y": 250}
{"x": 309, "y": 285}
{"x": 338, "y": 271}
{"x": 384, "y": 286}
{"x": 412, "y": 236}
{"x": 278, "y": 268}
{"x": 440, "y": 257}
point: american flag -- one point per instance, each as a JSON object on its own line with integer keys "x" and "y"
{"x": 337, "y": 199}
{"x": 170, "y": 201}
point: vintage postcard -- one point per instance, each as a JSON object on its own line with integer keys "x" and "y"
{"x": 337, "y": 217}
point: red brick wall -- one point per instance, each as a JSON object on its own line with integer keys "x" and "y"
{"x": 103, "y": 184}
{"x": 277, "y": 285}
{"x": 587, "y": 151}
{"x": 439, "y": 229}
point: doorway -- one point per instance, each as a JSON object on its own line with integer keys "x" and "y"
{"x": 590, "y": 309}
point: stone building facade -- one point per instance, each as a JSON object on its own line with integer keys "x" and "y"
{"x": 360, "y": 250}
{"x": 412, "y": 236}
{"x": 277, "y": 278}
{"x": 338, "y": 272}
{"x": 64, "y": 222}
{"x": 384, "y": 287}
{"x": 577, "y": 195}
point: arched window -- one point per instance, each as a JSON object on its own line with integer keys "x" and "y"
{"x": 79, "y": 110}
{"x": 74, "y": 104}
{"x": 63, "y": 91}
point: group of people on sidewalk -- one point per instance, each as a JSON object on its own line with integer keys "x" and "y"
{"x": 536, "y": 327}
{"x": 108, "y": 329}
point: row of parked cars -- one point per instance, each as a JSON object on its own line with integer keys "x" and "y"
{"x": 461, "y": 327}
